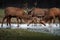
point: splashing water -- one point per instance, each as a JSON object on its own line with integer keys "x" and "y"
{"x": 49, "y": 28}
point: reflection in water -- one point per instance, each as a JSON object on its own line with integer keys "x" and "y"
{"x": 49, "y": 28}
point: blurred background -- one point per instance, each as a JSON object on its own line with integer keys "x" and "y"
{"x": 30, "y": 3}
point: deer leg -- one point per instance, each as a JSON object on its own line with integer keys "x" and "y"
{"x": 35, "y": 22}
{"x": 3, "y": 21}
{"x": 29, "y": 22}
{"x": 20, "y": 20}
{"x": 9, "y": 21}
{"x": 59, "y": 21}
{"x": 42, "y": 23}
{"x": 54, "y": 19}
{"x": 17, "y": 22}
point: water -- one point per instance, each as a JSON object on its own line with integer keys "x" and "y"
{"x": 49, "y": 28}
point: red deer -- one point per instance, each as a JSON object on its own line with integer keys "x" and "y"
{"x": 52, "y": 14}
{"x": 38, "y": 13}
{"x": 14, "y": 12}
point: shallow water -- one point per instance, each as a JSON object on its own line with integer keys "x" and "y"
{"x": 49, "y": 28}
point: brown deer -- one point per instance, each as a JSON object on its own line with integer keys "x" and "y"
{"x": 14, "y": 12}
